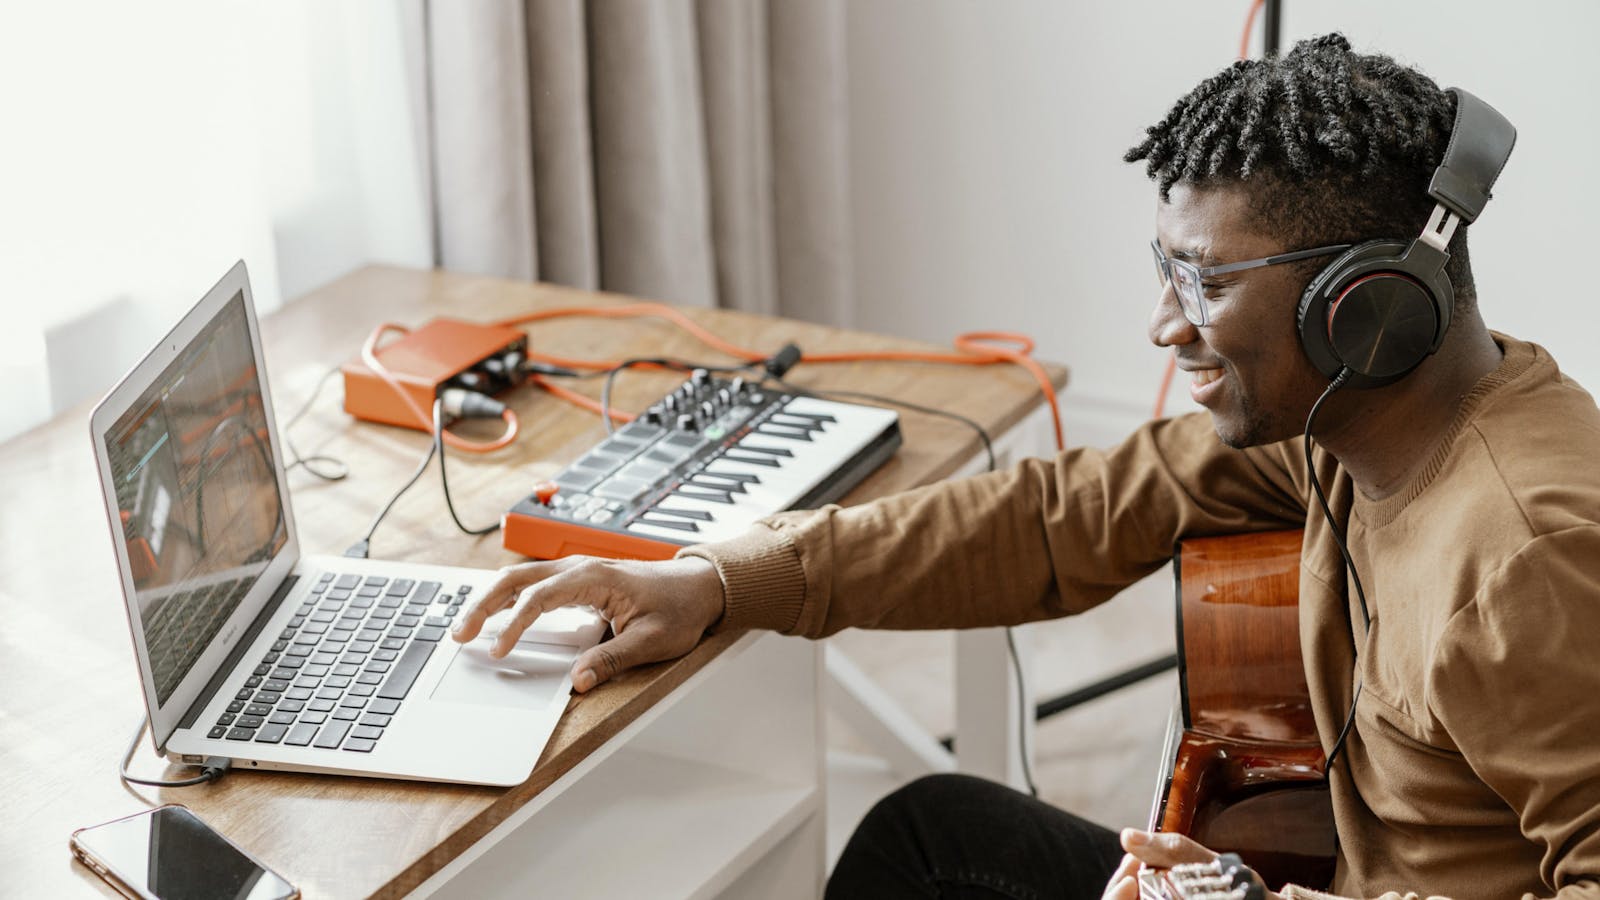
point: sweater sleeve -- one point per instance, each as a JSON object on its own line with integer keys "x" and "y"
{"x": 1044, "y": 539}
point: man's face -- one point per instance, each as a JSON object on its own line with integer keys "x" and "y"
{"x": 1246, "y": 366}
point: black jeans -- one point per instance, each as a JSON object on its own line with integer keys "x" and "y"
{"x": 959, "y": 836}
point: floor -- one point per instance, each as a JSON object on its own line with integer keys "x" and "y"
{"x": 1098, "y": 760}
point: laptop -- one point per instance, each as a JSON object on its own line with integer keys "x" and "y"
{"x": 249, "y": 650}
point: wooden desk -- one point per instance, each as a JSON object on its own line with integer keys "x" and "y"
{"x": 70, "y": 697}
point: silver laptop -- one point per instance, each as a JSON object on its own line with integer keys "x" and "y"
{"x": 249, "y": 650}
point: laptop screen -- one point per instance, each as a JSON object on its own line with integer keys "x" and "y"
{"x": 197, "y": 493}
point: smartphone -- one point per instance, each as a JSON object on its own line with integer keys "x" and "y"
{"x": 167, "y": 853}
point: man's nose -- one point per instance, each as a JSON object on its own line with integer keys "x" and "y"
{"x": 1169, "y": 327}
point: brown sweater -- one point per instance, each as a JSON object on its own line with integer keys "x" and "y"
{"x": 1474, "y": 768}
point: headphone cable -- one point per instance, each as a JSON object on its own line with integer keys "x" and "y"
{"x": 1344, "y": 551}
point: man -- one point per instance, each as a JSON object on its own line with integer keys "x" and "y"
{"x": 1466, "y": 491}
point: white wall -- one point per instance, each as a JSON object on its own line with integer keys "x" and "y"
{"x": 149, "y": 146}
{"x": 989, "y": 192}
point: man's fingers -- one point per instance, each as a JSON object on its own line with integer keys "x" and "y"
{"x": 630, "y": 647}
{"x": 1123, "y": 880}
{"x": 512, "y": 581}
{"x": 1164, "y": 849}
{"x": 563, "y": 588}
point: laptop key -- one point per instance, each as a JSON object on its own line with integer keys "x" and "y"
{"x": 362, "y": 690}
{"x": 320, "y": 705}
{"x": 241, "y": 734}
{"x": 368, "y": 732}
{"x": 257, "y": 709}
{"x": 346, "y": 714}
{"x": 345, "y": 669}
{"x": 251, "y": 722}
{"x": 281, "y": 718}
{"x": 348, "y": 581}
{"x": 430, "y": 633}
{"x": 314, "y": 718}
{"x": 235, "y": 706}
{"x": 271, "y": 734}
{"x": 376, "y": 720}
{"x": 300, "y": 735}
{"x": 386, "y": 655}
{"x": 269, "y": 697}
{"x": 377, "y": 665}
{"x": 290, "y": 706}
{"x": 360, "y": 745}
{"x": 425, "y": 592}
{"x": 406, "y": 670}
{"x": 369, "y": 678}
{"x": 354, "y": 701}
{"x": 332, "y": 734}
{"x": 226, "y": 719}
{"x": 400, "y": 587}
{"x": 217, "y": 731}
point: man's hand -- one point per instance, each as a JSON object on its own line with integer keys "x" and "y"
{"x": 1160, "y": 850}
{"x": 658, "y": 610}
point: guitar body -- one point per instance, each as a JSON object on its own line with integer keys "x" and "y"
{"x": 1244, "y": 770}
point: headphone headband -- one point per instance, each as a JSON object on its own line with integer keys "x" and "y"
{"x": 1480, "y": 143}
{"x": 1379, "y": 310}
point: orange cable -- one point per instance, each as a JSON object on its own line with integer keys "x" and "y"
{"x": 974, "y": 348}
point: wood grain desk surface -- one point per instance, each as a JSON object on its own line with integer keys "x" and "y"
{"x": 69, "y": 695}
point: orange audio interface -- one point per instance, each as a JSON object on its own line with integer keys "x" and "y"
{"x": 443, "y": 353}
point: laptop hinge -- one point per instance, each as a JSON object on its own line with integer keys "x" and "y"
{"x": 245, "y": 643}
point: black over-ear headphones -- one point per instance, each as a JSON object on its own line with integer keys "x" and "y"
{"x": 1383, "y": 307}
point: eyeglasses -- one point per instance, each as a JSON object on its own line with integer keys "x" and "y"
{"x": 1187, "y": 279}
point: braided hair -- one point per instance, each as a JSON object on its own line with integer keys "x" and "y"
{"x": 1333, "y": 146}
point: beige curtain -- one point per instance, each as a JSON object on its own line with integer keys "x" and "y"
{"x": 692, "y": 151}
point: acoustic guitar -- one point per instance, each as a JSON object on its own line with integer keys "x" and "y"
{"x": 1243, "y": 767}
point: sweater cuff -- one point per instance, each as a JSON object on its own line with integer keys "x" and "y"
{"x": 763, "y": 583}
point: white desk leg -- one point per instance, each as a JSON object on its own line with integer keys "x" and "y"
{"x": 994, "y": 721}
{"x": 877, "y": 719}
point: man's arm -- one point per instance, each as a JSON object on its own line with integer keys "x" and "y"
{"x": 1044, "y": 539}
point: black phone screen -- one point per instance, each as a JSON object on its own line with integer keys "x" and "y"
{"x": 168, "y": 853}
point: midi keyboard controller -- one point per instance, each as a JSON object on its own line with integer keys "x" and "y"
{"x": 701, "y": 465}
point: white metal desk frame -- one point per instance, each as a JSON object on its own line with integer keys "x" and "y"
{"x": 989, "y": 739}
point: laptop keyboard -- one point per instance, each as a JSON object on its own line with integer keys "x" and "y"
{"x": 336, "y": 676}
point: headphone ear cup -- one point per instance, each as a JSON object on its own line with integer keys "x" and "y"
{"x": 1382, "y": 325}
{"x": 1367, "y": 312}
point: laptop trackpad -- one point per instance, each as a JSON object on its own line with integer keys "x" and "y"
{"x": 530, "y": 677}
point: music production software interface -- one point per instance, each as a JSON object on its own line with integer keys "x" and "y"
{"x": 197, "y": 494}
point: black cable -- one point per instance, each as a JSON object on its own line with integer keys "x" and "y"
{"x": 676, "y": 365}
{"x": 211, "y": 770}
{"x": 983, "y": 436}
{"x": 360, "y": 548}
{"x": 1355, "y": 576}
{"x": 337, "y": 474}
{"x": 444, "y": 481}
